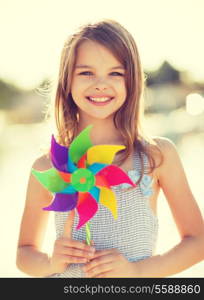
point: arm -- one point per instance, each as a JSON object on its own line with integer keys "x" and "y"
{"x": 30, "y": 259}
{"x": 33, "y": 226}
{"x": 187, "y": 217}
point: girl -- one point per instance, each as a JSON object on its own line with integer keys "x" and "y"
{"x": 101, "y": 83}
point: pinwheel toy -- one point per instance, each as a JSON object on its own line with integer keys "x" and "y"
{"x": 81, "y": 177}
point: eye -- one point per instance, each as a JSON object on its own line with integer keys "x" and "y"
{"x": 85, "y": 73}
{"x": 117, "y": 74}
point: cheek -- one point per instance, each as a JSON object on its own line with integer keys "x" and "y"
{"x": 122, "y": 90}
{"x": 80, "y": 84}
{"x": 76, "y": 88}
{"x": 119, "y": 84}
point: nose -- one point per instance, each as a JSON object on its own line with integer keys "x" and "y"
{"x": 101, "y": 84}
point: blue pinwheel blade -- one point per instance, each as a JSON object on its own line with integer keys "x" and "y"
{"x": 71, "y": 166}
{"x": 95, "y": 193}
{"x": 68, "y": 190}
{"x": 96, "y": 167}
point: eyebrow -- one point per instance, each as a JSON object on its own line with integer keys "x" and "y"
{"x": 90, "y": 67}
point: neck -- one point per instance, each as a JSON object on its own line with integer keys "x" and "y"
{"x": 103, "y": 131}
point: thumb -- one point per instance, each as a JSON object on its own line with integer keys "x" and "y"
{"x": 69, "y": 224}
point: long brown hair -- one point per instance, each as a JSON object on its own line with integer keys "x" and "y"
{"x": 127, "y": 119}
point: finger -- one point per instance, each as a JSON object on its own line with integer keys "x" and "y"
{"x": 69, "y": 224}
{"x": 103, "y": 275}
{"x": 73, "y": 259}
{"x": 77, "y": 253}
{"x": 98, "y": 262}
{"x": 67, "y": 242}
{"x": 95, "y": 272}
{"x": 91, "y": 246}
{"x": 100, "y": 253}
{"x": 91, "y": 250}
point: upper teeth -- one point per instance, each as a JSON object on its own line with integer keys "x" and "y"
{"x": 102, "y": 99}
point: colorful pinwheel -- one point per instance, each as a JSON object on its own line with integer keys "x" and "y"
{"x": 81, "y": 177}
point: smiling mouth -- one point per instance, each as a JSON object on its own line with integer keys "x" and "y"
{"x": 100, "y": 99}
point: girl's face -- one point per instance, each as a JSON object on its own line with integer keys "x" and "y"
{"x": 98, "y": 83}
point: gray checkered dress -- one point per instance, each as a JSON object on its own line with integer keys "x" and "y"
{"x": 135, "y": 231}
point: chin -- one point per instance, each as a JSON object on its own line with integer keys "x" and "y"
{"x": 99, "y": 117}
{"x": 96, "y": 114}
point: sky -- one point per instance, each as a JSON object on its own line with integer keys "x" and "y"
{"x": 32, "y": 33}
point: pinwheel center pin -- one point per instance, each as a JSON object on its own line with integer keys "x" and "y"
{"x": 82, "y": 180}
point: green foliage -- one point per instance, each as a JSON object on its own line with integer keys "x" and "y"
{"x": 166, "y": 73}
{"x": 8, "y": 95}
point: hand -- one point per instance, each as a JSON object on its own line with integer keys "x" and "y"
{"x": 68, "y": 251}
{"x": 109, "y": 263}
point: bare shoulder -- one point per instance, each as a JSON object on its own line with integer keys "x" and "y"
{"x": 170, "y": 159}
{"x": 164, "y": 145}
{"x": 42, "y": 163}
{"x": 165, "y": 154}
{"x": 163, "y": 142}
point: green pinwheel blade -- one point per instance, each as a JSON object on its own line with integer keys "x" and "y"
{"x": 50, "y": 179}
{"x": 80, "y": 144}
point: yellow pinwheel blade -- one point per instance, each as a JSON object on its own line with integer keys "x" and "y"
{"x": 102, "y": 153}
{"x": 108, "y": 199}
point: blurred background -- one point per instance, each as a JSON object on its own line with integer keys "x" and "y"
{"x": 169, "y": 35}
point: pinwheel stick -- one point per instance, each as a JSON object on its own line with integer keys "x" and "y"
{"x": 88, "y": 234}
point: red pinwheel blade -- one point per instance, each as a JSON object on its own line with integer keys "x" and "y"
{"x": 101, "y": 181}
{"x": 86, "y": 207}
{"x": 82, "y": 162}
{"x": 115, "y": 175}
{"x": 65, "y": 176}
